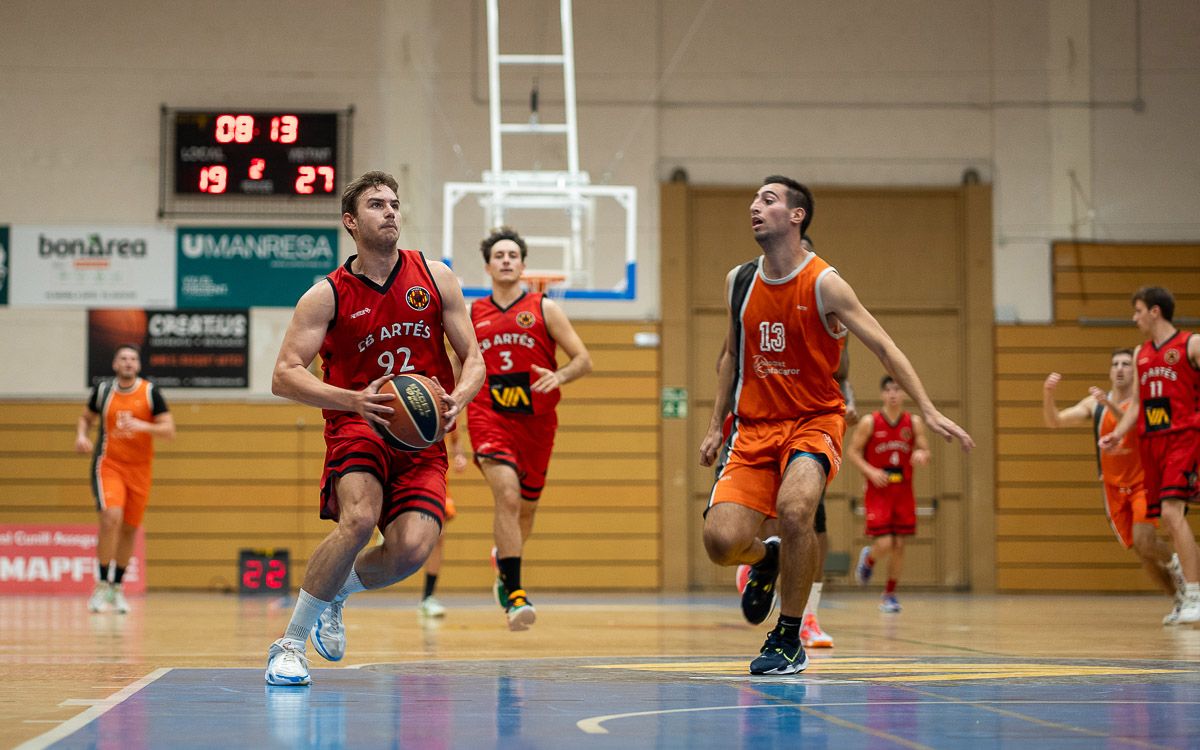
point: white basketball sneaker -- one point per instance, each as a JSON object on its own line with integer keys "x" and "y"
{"x": 101, "y": 597}
{"x": 117, "y": 598}
{"x": 431, "y": 607}
{"x": 287, "y": 664}
{"x": 329, "y": 634}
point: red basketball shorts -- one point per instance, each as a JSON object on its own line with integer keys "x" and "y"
{"x": 890, "y": 510}
{"x": 521, "y": 441}
{"x": 413, "y": 481}
{"x": 1126, "y": 506}
{"x": 1170, "y": 464}
{"x": 760, "y": 451}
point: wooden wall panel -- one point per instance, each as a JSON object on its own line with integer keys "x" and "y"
{"x": 244, "y": 474}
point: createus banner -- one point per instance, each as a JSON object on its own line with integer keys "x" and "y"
{"x": 180, "y": 348}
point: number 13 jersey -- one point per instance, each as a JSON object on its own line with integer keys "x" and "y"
{"x": 787, "y": 354}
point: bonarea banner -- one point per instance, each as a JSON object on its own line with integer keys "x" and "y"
{"x": 96, "y": 267}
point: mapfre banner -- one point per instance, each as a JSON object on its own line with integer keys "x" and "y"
{"x": 58, "y": 559}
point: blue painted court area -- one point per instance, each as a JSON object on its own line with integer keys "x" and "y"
{"x": 869, "y": 702}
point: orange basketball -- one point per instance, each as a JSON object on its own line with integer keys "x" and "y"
{"x": 417, "y": 422}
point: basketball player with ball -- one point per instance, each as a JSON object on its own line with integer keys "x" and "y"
{"x": 380, "y": 323}
{"x": 512, "y": 421}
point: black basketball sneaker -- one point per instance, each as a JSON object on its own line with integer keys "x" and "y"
{"x": 759, "y": 596}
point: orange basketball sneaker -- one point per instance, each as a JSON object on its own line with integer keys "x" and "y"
{"x": 811, "y": 634}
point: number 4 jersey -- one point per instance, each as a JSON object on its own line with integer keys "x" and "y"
{"x": 390, "y": 328}
{"x": 512, "y": 340}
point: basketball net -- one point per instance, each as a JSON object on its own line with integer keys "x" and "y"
{"x": 540, "y": 282}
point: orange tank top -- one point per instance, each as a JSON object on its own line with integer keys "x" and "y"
{"x": 787, "y": 350}
{"x": 140, "y": 401}
{"x": 1121, "y": 466}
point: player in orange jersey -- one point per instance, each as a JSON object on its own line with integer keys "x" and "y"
{"x": 1166, "y": 409}
{"x": 131, "y": 412}
{"x": 430, "y": 606}
{"x": 789, "y": 315}
{"x": 1120, "y": 469}
{"x": 885, "y": 446}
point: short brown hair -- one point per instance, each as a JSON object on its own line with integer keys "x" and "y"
{"x": 353, "y": 190}
{"x": 1161, "y": 297}
{"x": 498, "y": 234}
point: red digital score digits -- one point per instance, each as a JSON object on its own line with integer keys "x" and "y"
{"x": 256, "y": 153}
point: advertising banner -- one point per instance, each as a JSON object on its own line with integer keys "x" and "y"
{"x": 180, "y": 348}
{"x": 251, "y": 267}
{"x": 59, "y": 559}
{"x": 92, "y": 266}
{"x": 5, "y": 274}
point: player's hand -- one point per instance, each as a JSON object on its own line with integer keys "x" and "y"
{"x": 851, "y": 415}
{"x": 371, "y": 405}
{"x": 450, "y": 405}
{"x": 711, "y": 446}
{"x": 1100, "y": 396}
{"x": 83, "y": 444}
{"x": 547, "y": 380}
{"x": 126, "y": 422}
{"x": 459, "y": 463}
{"x": 920, "y": 457}
{"x": 1108, "y": 442}
{"x": 948, "y": 429}
{"x": 877, "y": 477}
{"x": 1052, "y": 381}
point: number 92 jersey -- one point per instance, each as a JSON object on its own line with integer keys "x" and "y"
{"x": 512, "y": 340}
{"x": 393, "y": 328}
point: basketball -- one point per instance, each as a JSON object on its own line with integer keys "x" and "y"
{"x": 417, "y": 422}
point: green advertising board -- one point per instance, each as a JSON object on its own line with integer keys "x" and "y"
{"x": 239, "y": 267}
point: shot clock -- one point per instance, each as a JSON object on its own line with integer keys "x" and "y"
{"x": 264, "y": 571}
{"x": 236, "y": 160}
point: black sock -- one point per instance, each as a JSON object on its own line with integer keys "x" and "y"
{"x": 510, "y": 572}
{"x": 789, "y": 627}
{"x": 770, "y": 561}
{"x": 118, "y": 573}
{"x": 430, "y": 585}
{"x": 101, "y": 570}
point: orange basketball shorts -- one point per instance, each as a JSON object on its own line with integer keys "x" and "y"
{"x": 116, "y": 485}
{"x": 758, "y": 453}
{"x": 1125, "y": 507}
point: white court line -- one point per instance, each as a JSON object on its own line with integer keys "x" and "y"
{"x": 97, "y": 709}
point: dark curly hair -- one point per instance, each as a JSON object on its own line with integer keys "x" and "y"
{"x": 498, "y": 234}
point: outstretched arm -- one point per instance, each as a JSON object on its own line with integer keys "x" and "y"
{"x": 1052, "y": 416}
{"x": 841, "y": 301}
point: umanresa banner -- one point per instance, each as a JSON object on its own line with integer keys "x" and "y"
{"x": 251, "y": 266}
{"x": 59, "y": 559}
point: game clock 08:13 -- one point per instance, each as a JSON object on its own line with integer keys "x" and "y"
{"x": 239, "y": 152}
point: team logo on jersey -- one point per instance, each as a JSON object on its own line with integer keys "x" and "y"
{"x": 1171, "y": 357}
{"x": 906, "y": 433}
{"x": 417, "y": 298}
{"x": 525, "y": 319}
{"x": 510, "y": 393}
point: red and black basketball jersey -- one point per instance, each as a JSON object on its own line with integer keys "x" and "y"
{"x": 1169, "y": 387}
{"x": 512, "y": 339}
{"x": 378, "y": 329}
{"x": 890, "y": 447}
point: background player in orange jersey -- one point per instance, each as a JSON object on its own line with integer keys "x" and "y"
{"x": 1120, "y": 469}
{"x": 512, "y": 420}
{"x": 1166, "y": 409}
{"x": 789, "y": 315}
{"x": 131, "y": 412}
{"x": 885, "y": 446}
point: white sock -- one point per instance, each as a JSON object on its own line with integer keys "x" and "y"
{"x": 814, "y": 598}
{"x": 308, "y": 609}
{"x": 1192, "y": 590}
{"x": 352, "y": 586}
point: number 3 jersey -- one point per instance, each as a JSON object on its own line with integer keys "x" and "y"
{"x": 1169, "y": 387}
{"x": 377, "y": 329}
{"x": 787, "y": 354}
{"x": 512, "y": 340}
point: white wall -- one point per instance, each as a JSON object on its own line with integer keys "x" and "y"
{"x": 1038, "y": 96}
